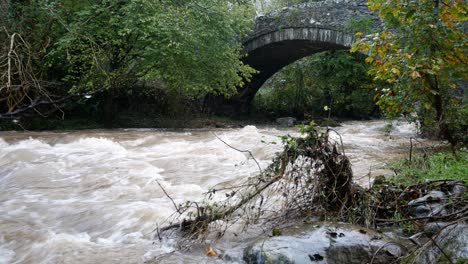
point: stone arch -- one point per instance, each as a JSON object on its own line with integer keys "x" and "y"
{"x": 271, "y": 52}
{"x": 289, "y": 34}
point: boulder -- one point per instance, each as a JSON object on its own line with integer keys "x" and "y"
{"x": 428, "y": 205}
{"x": 286, "y": 121}
{"x": 328, "y": 243}
{"x": 426, "y": 210}
{"x": 433, "y": 228}
{"x": 432, "y": 196}
{"x": 458, "y": 190}
{"x": 453, "y": 240}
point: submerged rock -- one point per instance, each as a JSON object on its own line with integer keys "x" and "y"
{"x": 286, "y": 121}
{"x": 330, "y": 243}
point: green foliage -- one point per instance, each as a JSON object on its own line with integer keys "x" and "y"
{"x": 267, "y": 6}
{"x": 191, "y": 46}
{"x": 442, "y": 165}
{"x": 335, "y": 79}
{"x": 363, "y": 24}
{"x": 276, "y": 232}
{"x": 87, "y": 47}
{"x": 420, "y": 56}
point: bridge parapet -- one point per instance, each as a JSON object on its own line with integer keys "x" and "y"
{"x": 327, "y": 14}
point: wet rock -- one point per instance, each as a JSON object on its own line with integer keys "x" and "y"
{"x": 432, "y": 196}
{"x": 286, "y": 121}
{"x": 328, "y": 243}
{"x": 428, "y": 210}
{"x": 428, "y": 205}
{"x": 454, "y": 242}
{"x": 458, "y": 190}
{"x": 434, "y": 227}
{"x": 328, "y": 122}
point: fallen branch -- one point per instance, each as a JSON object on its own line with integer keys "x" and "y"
{"x": 308, "y": 173}
{"x": 170, "y": 198}
{"x": 462, "y": 212}
{"x": 243, "y": 151}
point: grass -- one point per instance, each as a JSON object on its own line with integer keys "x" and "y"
{"x": 435, "y": 166}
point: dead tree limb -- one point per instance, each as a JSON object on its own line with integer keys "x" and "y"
{"x": 240, "y": 150}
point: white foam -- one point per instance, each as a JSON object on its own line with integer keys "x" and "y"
{"x": 95, "y": 193}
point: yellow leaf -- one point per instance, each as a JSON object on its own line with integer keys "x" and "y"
{"x": 358, "y": 34}
{"x": 415, "y": 75}
{"x": 369, "y": 60}
{"x": 210, "y": 252}
{"x": 396, "y": 71}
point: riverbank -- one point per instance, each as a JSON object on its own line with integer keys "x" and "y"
{"x": 199, "y": 121}
{"x": 413, "y": 217}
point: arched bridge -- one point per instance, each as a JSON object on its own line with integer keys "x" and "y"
{"x": 289, "y": 34}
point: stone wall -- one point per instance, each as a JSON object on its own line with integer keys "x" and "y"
{"x": 327, "y": 14}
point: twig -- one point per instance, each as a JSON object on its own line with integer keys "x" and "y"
{"x": 411, "y": 149}
{"x": 380, "y": 248}
{"x": 341, "y": 140}
{"x": 422, "y": 217}
{"x": 170, "y": 198}
{"x": 441, "y": 250}
{"x": 159, "y": 234}
{"x": 11, "y": 115}
{"x": 244, "y": 151}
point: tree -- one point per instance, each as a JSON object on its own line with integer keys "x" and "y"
{"x": 336, "y": 79}
{"x": 193, "y": 46}
{"x": 420, "y": 55}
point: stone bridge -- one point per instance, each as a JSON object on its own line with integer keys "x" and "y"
{"x": 289, "y": 34}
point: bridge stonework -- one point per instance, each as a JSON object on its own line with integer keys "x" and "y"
{"x": 328, "y": 15}
{"x": 291, "y": 33}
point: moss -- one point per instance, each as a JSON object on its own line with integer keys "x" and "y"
{"x": 276, "y": 232}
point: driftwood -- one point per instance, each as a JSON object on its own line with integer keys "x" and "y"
{"x": 310, "y": 173}
{"x": 312, "y": 177}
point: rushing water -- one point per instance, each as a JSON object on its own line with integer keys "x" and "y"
{"x": 92, "y": 196}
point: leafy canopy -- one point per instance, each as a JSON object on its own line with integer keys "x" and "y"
{"x": 420, "y": 53}
{"x": 192, "y": 46}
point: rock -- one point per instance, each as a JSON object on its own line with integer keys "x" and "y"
{"x": 428, "y": 210}
{"x": 434, "y": 227}
{"x": 286, "y": 121}
{"x": 428, "y": 205}
{"x": 421, "y": 211}
{"x": 458, "y": 190}
{"x": 328, "y": 243}
{"x": 432, "y": 196}
{"x": 453, "y": 240}
{"x": 328, "y": 122}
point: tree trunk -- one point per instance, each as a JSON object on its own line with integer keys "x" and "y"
{"x": 444, "y": 130}
{"x": 109, "y": 108}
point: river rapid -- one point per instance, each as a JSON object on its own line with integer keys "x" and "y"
{"x": 92, "y": 196}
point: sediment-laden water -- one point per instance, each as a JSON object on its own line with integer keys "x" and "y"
{"x": 92, "y": 196}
